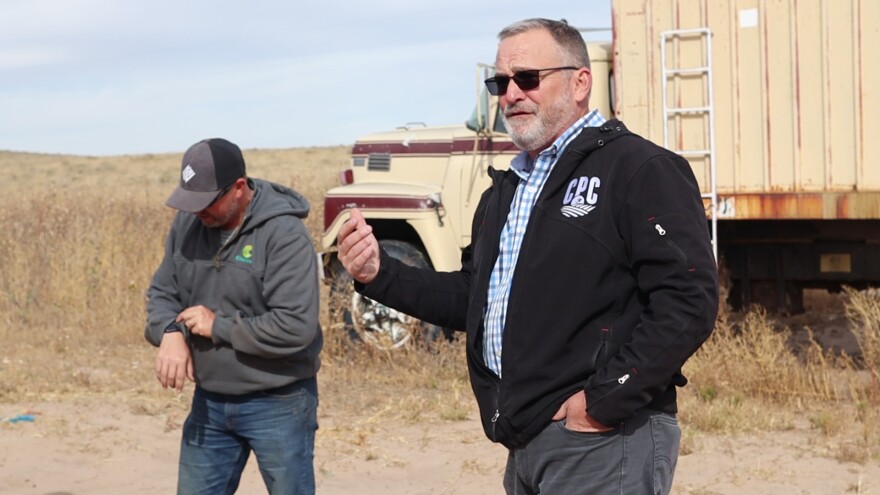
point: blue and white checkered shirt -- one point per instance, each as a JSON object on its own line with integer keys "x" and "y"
{"x": 533, "y": 175}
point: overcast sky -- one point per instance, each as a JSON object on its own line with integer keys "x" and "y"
{"x": 102, "y": 77}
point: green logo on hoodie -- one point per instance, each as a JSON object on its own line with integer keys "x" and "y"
{"x": 246, "y": 253}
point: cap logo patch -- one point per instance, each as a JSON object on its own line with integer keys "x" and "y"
{"x": 187, "y": 173}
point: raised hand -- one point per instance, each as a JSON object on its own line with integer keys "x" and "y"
{"x": 358, "y": 248}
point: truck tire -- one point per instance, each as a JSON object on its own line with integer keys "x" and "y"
{"x": 367, "y": 321}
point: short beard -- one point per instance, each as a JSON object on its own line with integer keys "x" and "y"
{"x": 548, "y": 122}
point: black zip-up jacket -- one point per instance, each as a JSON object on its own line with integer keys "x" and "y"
{"x": 615, "y": 286}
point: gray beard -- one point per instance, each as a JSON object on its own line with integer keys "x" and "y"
{"x": 541, "y": 133}
{"x": 529, "y": 139}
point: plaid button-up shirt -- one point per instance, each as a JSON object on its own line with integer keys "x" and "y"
{"x": 533, "y": 175}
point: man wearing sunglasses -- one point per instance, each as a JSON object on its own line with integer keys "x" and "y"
{"x": 588, "y": 283}
{"x": 234, "y": 307}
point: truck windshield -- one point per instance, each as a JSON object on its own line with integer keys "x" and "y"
{"x": 485, "y": 115}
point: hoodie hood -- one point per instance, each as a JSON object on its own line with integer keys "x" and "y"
{"x": 593, "y": 138}
{"x": 271, "y": 200}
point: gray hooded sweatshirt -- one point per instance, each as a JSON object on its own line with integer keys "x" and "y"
{"x": 262, "y": 284}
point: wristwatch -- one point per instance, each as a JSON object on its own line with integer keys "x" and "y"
{"x": 174, "y": 327}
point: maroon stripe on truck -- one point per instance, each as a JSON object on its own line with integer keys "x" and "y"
{"x": 335, "y": 205}
{"x": 433, "y": 148}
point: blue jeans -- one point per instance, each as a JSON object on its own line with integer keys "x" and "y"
{"x": 636, "y": 458}
{"x": 221, "y": 430}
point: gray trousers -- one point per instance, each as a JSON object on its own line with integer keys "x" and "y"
{"x": 638, "y": 457}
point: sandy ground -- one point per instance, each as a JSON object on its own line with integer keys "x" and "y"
{"x": 129, "y": 445}
{"x": 95, "y": 446}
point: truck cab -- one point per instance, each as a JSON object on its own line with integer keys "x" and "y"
{"x": 774, "y": 121}
{"x": 418, "y": 186}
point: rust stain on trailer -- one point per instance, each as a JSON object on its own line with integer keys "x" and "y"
{"x": 804, "y": 206}
{"x": 843, "y": 206}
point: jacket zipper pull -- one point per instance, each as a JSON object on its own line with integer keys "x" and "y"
{"x": 217, "y": 262}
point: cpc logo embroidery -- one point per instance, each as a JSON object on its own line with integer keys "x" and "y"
{"x": 580, "y": 196}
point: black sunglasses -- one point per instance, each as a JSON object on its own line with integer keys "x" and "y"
{"x": 220, "y": 195}
{"x": 524, "y": 79}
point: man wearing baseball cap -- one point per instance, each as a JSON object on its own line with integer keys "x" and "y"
{"x": 234, "y": 307}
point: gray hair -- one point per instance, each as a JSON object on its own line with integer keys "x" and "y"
{"x": 572, "y": 47}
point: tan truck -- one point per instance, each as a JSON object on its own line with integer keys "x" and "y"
{"x": 776, "y": 104}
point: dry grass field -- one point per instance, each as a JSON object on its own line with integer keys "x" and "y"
{"x": 774, "y": 405}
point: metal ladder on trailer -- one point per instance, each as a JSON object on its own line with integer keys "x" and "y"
{"x": 673, "y": 114}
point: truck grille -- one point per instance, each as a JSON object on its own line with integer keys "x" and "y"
{"x": 379, "y": 162}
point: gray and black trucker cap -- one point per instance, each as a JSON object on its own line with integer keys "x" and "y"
{"x": 208, "y": 167}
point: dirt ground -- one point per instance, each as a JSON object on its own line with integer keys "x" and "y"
{"x": 128, "y": 444}
{"x": 95, "y": 446}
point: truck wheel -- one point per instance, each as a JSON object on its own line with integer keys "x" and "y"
{"x": 370, "y": 322}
